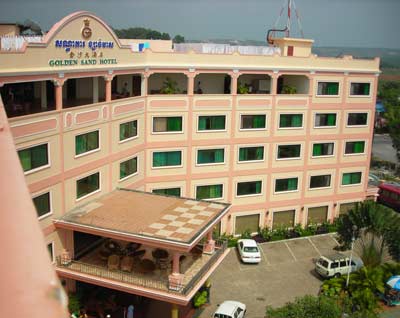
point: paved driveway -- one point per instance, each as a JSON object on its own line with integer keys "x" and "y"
{"x": 285, "y": 272}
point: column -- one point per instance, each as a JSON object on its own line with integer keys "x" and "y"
{"x": 174, "y": 311}
{"x": 234, "y": 81}
{"x": 190, "y": 86}
{"x": 108, "y": 81}
{"x": 43, "y": 95}
{"x": 209, "y": 247}
{"x": 176, "y": 278}
{"x": 58, "y": 85}
{"x": 144, "y": 88}
{"x": 95, "y": 90}
{"x": 274, "y": 79}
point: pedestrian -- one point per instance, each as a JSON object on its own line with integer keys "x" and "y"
{"x": 130, "y": 311}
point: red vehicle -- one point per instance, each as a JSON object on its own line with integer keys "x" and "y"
{"x": 389, "y": 195}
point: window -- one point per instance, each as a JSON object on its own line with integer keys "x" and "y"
{"x": 207, "y": 156}
{"x": 328, "y": 88}
{"x": 325, "y": 120}
{"x": 127, "y": 168}
{"x": 211, "y": 123}
{"x": 351, "y": 178}
{"x": 290, "y": 120}
{"x": 317, "y": 215}
{"x": 322, "y": 181}
{"x": 34, "y": 157}
{"x": 168, "y": 191}
{"x": 359, "y": 89}
{"x": 354, "y": 147}
{"x": 323, "y": 149}
{"x": 251, "y": 153}
{"x": 167, "y": 124}
{"x": 252, "y": 121}
{"x": 87, "y": 185}
{"x": 289, "y": 151}
{"x": 86, "y": 142}
{"x": 209, "y": 192}
{"x": 357, "y": 119}
{"x": 128, "y": 130}
{"x": 346, "y": 207}
{"x": 248, "y": 188}
{"x": 50, "y": 249}
{"x": 283, "y": 219}
{"x": 289, "y": 184}
{"x": 167, "y": 159}
{"x": 42, "y": 204}
{"x": 247, "y": 223}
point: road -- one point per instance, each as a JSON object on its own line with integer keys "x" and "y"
{"x": 382, "y": 148}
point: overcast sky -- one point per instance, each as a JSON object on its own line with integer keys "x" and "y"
{"x": 354, "y": 23}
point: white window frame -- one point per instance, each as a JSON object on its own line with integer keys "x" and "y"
{"x": 252, "y": 129}
{"x": 38, "y": 194}
{"x": 354, "y": 154}
{"x": 286, "y": 159}
{"x": 249, "y": 195}
{"x": 320, "y": 188}
{"x": 249, "y": 161}
{"x": 360, "y": 96}
{"x": 48, "y": 165}
{"x": 167, "y": 132}
{"x": 325, "y": 127}
{"x": 289, "y": 191}
{"x": 356, "y": 126}
{"x": 328, "y": 214}
{"x": 130, "y": 138}
{"x": 210, "y": 164}
{"x": 214, "y": 130}
{"x": 210, "y": 184}
{"x": 323, "y": 142}
{"x": 353, "y": 184}
{"x": 290, "y": 128}
{"x": 133, "y": 174}
{"x": 296, "y": 221}
{"x": 91, "y": 193}
{"x": 245, "y": 214}
{"x": 327, "y": 81}
{"x": 91, "y": 151}
{"x": 166, "y": 167}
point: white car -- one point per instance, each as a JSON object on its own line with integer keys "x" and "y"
{"x": 230, "y": 309}
{"x": 249, "y": 251}
{"x": 337, "y": 265}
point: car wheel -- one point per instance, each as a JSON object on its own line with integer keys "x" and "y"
{"x": 337, "y": 275}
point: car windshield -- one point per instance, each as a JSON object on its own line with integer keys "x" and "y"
{"x": 323, "y": 263}
{"x": 251, "y": 249}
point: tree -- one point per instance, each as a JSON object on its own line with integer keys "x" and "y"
{"x": 179, "y": 39}
{"x": 169, "y": 87}
{"x": 141, "y": 33}
{"x": 377, "y": 225}
{"x": 307, "y": 307}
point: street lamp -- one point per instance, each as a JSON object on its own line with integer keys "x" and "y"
{"x": 354, "y": 229}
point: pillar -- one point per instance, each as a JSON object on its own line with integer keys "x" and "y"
{"x": 274, "y": 79}
{"x": 95, "y": 89}
{"x": 108, "y": 81}
{"x": 176, "y": 278}
{"x": 190, "y": 88}
{"x": 145, "y": 84}
{"x": 58, "y": 85}
{"x": 234, "y": 82}
{"x": 43, "y": 95}
{"x": 174, "y": 311}
{"x": 209, "y": 247}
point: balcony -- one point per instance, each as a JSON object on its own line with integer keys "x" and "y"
{"x": 194, "y": 266}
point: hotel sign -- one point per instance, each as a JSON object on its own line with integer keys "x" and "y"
{"x": 83, "y": 52}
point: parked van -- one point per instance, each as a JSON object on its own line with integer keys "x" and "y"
{"x": 230, "y": 309}
{"x": 337, "y": 265}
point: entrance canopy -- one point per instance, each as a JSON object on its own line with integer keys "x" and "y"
{"x": 148, "y": 218}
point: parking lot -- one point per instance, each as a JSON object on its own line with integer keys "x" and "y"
{"x": 285, "y": 272}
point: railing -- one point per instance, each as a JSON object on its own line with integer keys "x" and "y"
{"x": 137, "y": 279}
{"x": 134, "y": 279}
{"x": 221, "y": 246}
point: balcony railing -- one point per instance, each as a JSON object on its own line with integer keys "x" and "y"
{"x": 138, "y": 279}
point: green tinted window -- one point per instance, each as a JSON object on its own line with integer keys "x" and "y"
{"x": 328, "y": 88}
{"x": 168, "y": 158}
{"x": 210, "y": 156}
{"x": 351, "y": 178}
{"x": 353, "y": 147}
{"x": 34, "y": 157}
{"x": 167, "y": 124}
{"x": 290, "y": 120}
{"x": 42, "y": 204}
{"x": 211, "y": 123}
{"x": 209, "y": 192}
{"x": 289, "y": 184}
{"x": 323, "y": 149}
{"x": 86, "y": 142}
{"x": 127, "y": 168}
{"x": 251, "y": 153}
{"x": 289, "y": 151}
{"x": 248, "y": 188}
{"x": 169, "y": 191}
{"x": 252, "y": 121}
{"x": 87, "y": 185}
{"x": 128, "y": 130}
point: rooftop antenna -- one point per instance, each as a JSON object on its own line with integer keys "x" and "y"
{"x": 289, "y": 4}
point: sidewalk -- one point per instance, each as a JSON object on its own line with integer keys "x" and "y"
{"x": 391, "y": 313}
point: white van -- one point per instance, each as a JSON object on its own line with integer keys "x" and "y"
{"x": 230, "y": 309}
{"x": 337, "y": 265}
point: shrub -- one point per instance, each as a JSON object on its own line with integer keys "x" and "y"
{"x": 200, "y": 298}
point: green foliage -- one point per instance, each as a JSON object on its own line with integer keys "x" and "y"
{"x": 333, "y": 287}
{"x": 141, "y": 33}
{"x": 242, "y": 88}
{"x": 178, "y": 39}
{"x": 307, "y": 307}
{"x": 169, "y": 87}
{"x": 74, "y": 303}
{"x": 232, "y": 240}
{"x": 288, "y": 89}
{"x": 279, "y": 233}
{"x": 246, "y": 234}
{"x": 200, "y": 298}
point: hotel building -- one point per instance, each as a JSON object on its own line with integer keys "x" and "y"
{"x": 250, "y": 139}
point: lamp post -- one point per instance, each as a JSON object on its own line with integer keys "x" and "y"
{"x": 354, "y": 229}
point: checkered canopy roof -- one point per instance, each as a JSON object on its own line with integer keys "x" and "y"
{"x": 148, "y": 215}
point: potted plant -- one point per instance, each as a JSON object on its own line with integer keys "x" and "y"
{"x": 200, "y": 299}
{"x": 169, "y": 87}
{"x": 288, "y": 89}
{"x": 242, "y": 88}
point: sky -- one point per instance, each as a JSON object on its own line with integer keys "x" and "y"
{"x": 348, "y": 23}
